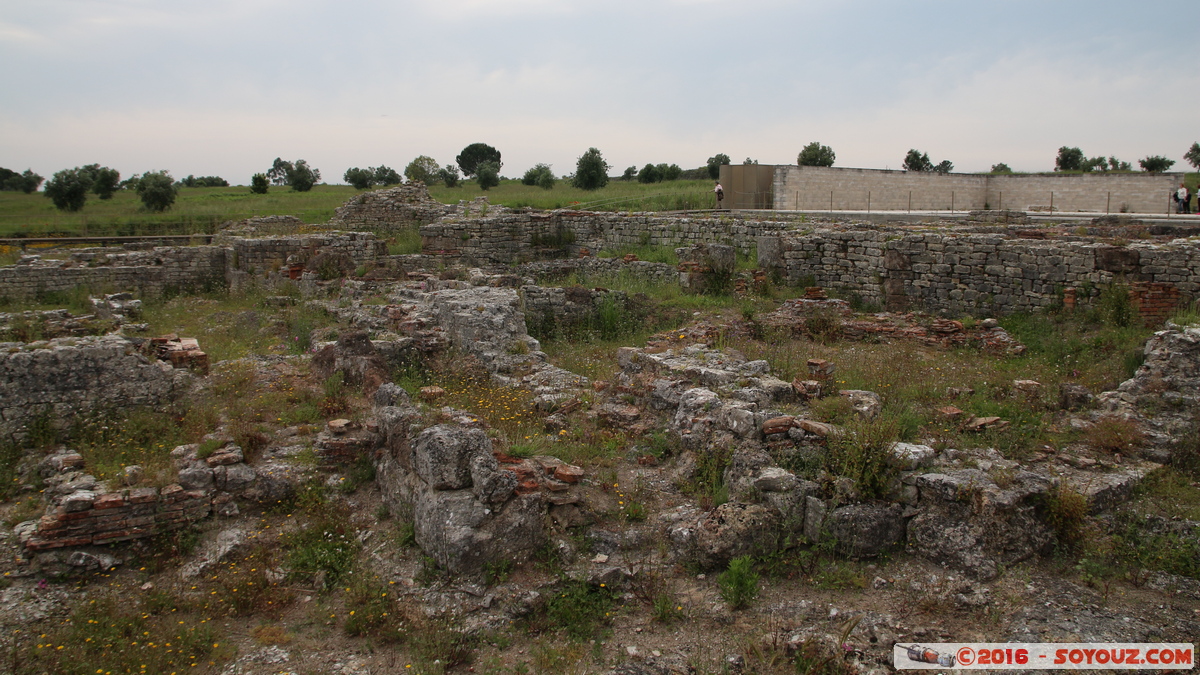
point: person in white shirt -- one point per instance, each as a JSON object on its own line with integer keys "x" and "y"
{"x": 720, "y": 192}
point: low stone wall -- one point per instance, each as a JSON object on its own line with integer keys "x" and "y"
{"x": 389, "y": 209}
{"x": 92, "y": 517}
{"x": 66, "y": 377}
{"x": 150, "y": 273}
{"x": 523, "y": 236}
{"x": 591, "y": 267}
{"x": 945, "y": 272}
{"x": 272, "y": 253}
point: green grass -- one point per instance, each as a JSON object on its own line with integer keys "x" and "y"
{"x": 195, "y": 210}
{"x": 203, "y": 210}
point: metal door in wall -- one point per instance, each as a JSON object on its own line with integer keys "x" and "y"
{"x": 748, "y": 186}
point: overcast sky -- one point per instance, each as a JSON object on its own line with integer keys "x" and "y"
{"x": 225, "y": 86}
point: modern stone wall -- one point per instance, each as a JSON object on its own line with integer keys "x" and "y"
{"x": 523, "y": 236}
{"x": 945, "y": 272}
{"x": 66, "y": 377}
{"x": 824, "y": 188}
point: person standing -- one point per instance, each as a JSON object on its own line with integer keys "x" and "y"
{"x": 720, "y": 192}
{"x": 1183, "y": 199}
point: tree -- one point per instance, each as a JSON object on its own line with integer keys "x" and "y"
{"x": 540, "y": 175}
{"x": 488, "y": 174}
{"x": 26, "y": 181}
{"x": 1115, "y": 164}
{"x": 361, "y": 179}
{"x": 591, "y": 171}
{"x": 475, "y": 154}
{"x": 105, "y": 181}
{"x": 279, "y": 172}
{"x": 259, "y": 183}
{"x": 668, "y": 172}
{"x": 203, "y": 181}
{"x": 157, "y": 190}
{"x": 648, "y": 174}
{"x": 1155, "y": 163}
{"x": 815, "y": 154}
{"x": 68, "y": 188}
{"x": 916, "y": 160}
{"x": 1069, "y": 159}
{"x": 386, "y": 175}
{"x": 449, "y": 175}
{"x": 749, "y": 161}
{"x": 944, "y": 166}
{"x": 715, "y": 163}
{"x": 1193, "y": 156}
{"x": 424, "y": 169}
{"x": 302, "y": 177}
{"x": 1001, "y": 168}
{"x": 630, "y": 173}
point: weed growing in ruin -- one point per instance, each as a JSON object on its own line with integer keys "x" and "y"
{"x": 861, "y": 454}
{"x": 1066, "y": 512}
{"x": 323, "y": 551}
{"x": 1114, "y": 434}
{"x": 579, "y": 609}
{"x": 371, "y": 609}
{"x": 739, "y": 583}
{"x": 109, "y": 441}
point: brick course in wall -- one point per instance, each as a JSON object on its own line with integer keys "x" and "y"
{"x": 97, "y": 517}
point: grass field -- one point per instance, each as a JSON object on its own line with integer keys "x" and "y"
{"x": 204, "y": 209}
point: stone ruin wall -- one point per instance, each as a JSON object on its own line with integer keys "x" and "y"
{"x": 389, "y": 209}
{"x": 976, "y": 273}
{"x": 68, "y": 377}
{"x": 522, "y": 236}
{"x": 272, "y": 253}
{"x": 150, "y": 273}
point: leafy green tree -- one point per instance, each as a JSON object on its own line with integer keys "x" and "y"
{"x": 279, "y": 172}
{"x": 944, "y": 166}
{"x": 1069, "y": 159}
{"x": 591, "y": 171}
{"x": 630, "y": 173}
{"x": 916, "y": 160}
{"x": 26, "y": 181}
{"x": 157, "y": 190}
{"x": 475, "y": 154}
{"x": 1155, "y": 164}
{"x": 748, "y": 161}
{"x": 649, "y": 174}
{"x": 714, "y": 164}
{"x": 302, "y": 177}
{"x": 668, "y": 172}
{"x": 1115, "y": 164}
{"x": 1193, "y": 156}
{"x": 361, "y": 179}
{"x": 105, "y": 181}
{"x": 449, "y": 175}
{"x": 540, "y": 175}
{"x": 203, "y": 181}
{"x": 424, "y": 169}
{"x": 815, "y": 154}
{"x": 259, "y": 183}
{"x": 1001, "y": 168}
{"x": 68, "y": 188}
{"x": 488, "y": 174}
{"x": 386, "y": 175}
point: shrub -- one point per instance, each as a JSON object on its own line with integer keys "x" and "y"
{"x": 714, "y": 164}
{"x": 488, "y": 174}
{"x": 361, "y": 179}
{"x": 815, "y": 154}
{"x": 648, "y": 174}
{"x": 449, "y": 175}
{"x": 157, "y": 190}
{"x": 1155, "y": 164}
{"x": 385, "y": 175}
{"x": 68, "y": 189}
{"x": 1114, "y": 434}
{"x": 739, "y": 583}
{"x": 540, "y": 175}
{"x": 424, "y": 169}
{"x": 1001, "y": 168}
{"x": 302, "y": 177}
{"x": 916, "y": 160}
{"x": 591, "y": 171}
{"x": 259, "y": 184}
{"x": 105, "y": 181}
{"x": 1069, "y": 159}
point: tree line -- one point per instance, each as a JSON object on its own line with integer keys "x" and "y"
{"x": 69, "y": 188}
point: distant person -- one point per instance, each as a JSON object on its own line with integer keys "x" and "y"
{"x": 1184, "y": 199}
{"x": 720, "y": 192}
